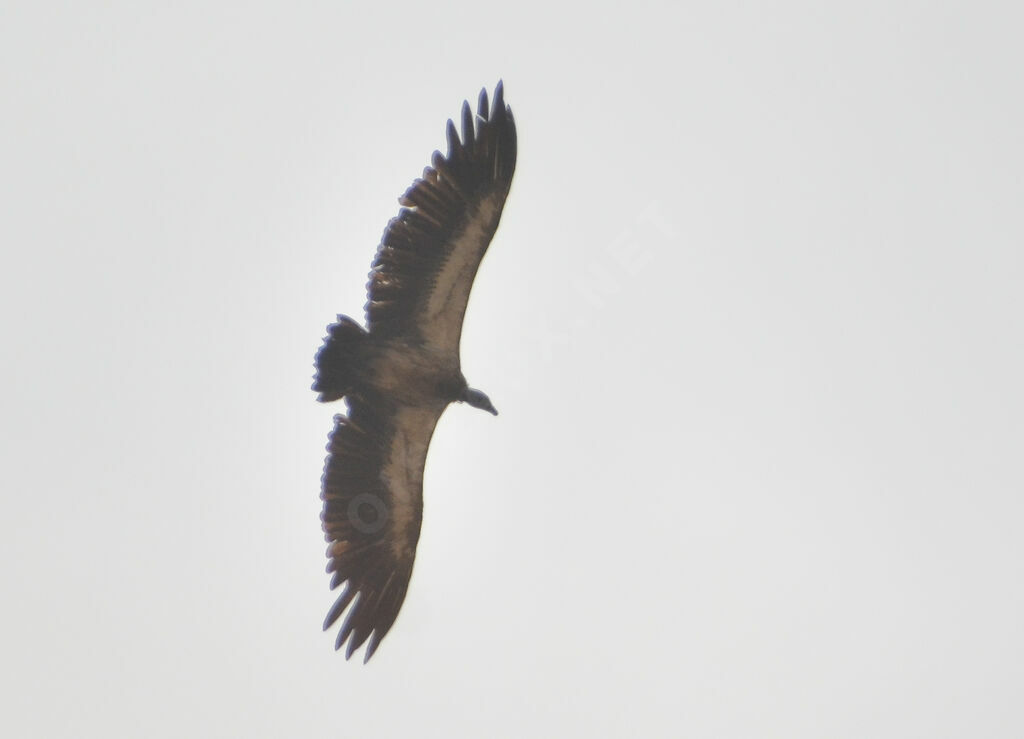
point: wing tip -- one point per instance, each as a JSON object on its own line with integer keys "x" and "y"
{"x": 499, "y": 96}
{"x": 354, "y": 644}
{"x": 454, "y": 145}
{"x": 482, "y": 106}
{"x": 467, "y": 124}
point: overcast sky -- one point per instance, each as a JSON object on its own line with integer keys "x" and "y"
{"x": 753, "y": 321}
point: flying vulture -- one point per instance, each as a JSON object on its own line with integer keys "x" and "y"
{"x": 399, "y": 374}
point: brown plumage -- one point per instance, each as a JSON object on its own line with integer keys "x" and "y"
{"x": 398, "y": 375}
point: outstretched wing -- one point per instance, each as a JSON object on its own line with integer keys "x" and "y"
{"x": 428, "y": 257}
{"x": 373, "y": 505}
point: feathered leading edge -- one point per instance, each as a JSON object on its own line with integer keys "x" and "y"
{"x": 419, "y": 285}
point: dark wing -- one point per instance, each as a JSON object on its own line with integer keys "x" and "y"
{"x": 429, "y": 254}
{"x": 373, "y": 505}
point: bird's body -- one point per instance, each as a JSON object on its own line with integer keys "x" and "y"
{"x": 411, "y": 374}
{"x": 398, "y": 375}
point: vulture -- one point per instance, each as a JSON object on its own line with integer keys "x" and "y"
{"x": 399, "y": 373}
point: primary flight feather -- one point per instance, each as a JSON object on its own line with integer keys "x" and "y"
{"x": 399, "y": 374}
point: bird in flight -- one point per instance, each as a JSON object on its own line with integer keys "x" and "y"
{"x": 399, "y": 374}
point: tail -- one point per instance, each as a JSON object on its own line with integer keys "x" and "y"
{"x": 338, "y": 359}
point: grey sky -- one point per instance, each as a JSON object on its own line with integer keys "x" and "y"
{"x": 752, "y": 319}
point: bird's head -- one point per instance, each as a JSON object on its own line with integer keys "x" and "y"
{"x": 477, "y": 399}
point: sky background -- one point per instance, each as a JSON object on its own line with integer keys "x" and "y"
{"x": 753, "y": 321}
